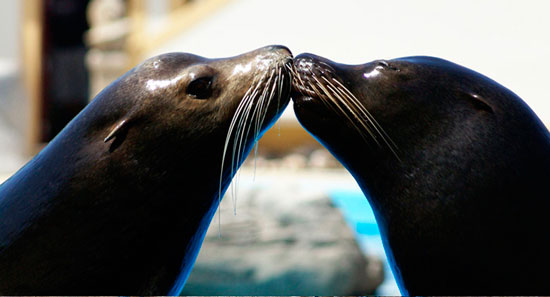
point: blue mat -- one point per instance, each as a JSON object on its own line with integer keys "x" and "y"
{"x": 360, "y": 217}
{"x": 356, "y": 210}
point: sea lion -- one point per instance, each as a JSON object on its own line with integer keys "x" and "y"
{"x": 119, "y": 201}
{"x": 455, "y": 166}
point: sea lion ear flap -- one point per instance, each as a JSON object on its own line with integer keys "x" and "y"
{"x": 478, "y": 102}
{"x": 119, "y": 128}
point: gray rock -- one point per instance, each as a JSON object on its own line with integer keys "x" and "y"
{"x": 282, "y": 242}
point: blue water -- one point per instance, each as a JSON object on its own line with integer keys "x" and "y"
{"x": 360, "y": 218}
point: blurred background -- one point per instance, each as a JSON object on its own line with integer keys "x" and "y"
{"x": 302, "y": 224}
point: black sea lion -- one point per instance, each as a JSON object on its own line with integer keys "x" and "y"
{"x": 455, "y": 166}
{"x": 119, "y": 201}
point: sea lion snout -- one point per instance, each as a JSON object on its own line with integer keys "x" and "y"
{"x": 279, "y": 48}
{"x": 314, "y": 65}
{"x": 271, "y": 55}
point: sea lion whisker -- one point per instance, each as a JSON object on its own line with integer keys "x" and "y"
{"x": 279, "y": 85}
{"x": 240, "y": 118}
{"x": 355, "y": 108}
{"x": 242, "y": 132}
{"x": 333, "y": 105}
{"x": 353, "y": 111}
{"x": 345, "y": 92}
{"x": 299, "y": 83}
{"x": 275, "y": 91}
{"x": 275, "y": 85}
{"x": 248, "y": 104}
{"x": 279, "y": 95}
{"x": 338, "y": 106}
{"x": 254, "y": 115}
{"x": 326, "y": 101}
{"x": 249, "y": 95}
{"x": 260, "y": 119}
{"x": 334, "y": 102}
{"x": 257, "y": 107}
{"x": 263, "y": 102}
{"x": 238, "y": 147}
{"x": 228, "y": 137}
{"x": 234, "y": 120}
{"x": 244, "y": 128}
{"x": 246, "y": 125}
{"x": 385, "y": 137}
{"x": 351, "y": 99}
{"x": 269, "y": 98}
{"x": 356, "y": 101}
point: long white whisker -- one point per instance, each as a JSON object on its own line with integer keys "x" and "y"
{"x": 279, "y": 95}
{"x": 342, "y": 111}
{"x": 243, "y": 130}
{"x": 261, "y": 106}
{"x": 385, "y": 137}
{"x": 334, "y": 92}
{"x": 249, "y": 115}
{"x": 226, "y": 145}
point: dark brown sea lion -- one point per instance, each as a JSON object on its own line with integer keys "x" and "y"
{"x": 119, "y": 201}
{"x": 455, "y": 166}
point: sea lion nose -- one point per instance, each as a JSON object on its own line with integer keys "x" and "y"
{"x": 303, "y": 62}
{"x": 278, "y": 47}
{"x": 310, "y": 63}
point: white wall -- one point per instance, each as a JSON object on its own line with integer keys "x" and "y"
{"x": 9, "y": 28}
{"x": 508, "y": 41}
{"x": 13, "y": 117}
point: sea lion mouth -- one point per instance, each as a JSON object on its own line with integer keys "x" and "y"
{"x": 310, "y": 78}
{"x": 306, "y": 90}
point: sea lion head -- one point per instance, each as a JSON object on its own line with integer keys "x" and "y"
{"x": 195, "y": 95}
{"x": 392, "y": 110}
{"x": 135, "y": 178}
{"x": 179, "y": 108}
{"x": 432, "y": 145}
{"x": 178, "y": 112}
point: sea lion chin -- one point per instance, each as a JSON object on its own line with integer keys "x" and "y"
{"x": 453, "y": 164}
{"x": 119, "y": 201}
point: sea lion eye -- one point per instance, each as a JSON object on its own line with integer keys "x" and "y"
{"x": 200, "y": 88}
{"x": 385, "y": 65}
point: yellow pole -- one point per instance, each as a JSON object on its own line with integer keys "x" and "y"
{"x": 134, "y": 44}
{"x": 32, "y": 45}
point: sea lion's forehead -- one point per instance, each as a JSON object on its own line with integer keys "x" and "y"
{"x": 175, "y": 59}
{"x": 242, "y": 65}
{"x": 171, "y": 71}
{"x": 166, "y": 69}
{"x": 432, "y": 64}
{"x": 170, "y": 64}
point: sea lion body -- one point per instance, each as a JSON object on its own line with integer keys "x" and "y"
{"x": 455, "y": 167}
{"x": 119, "y": 201}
